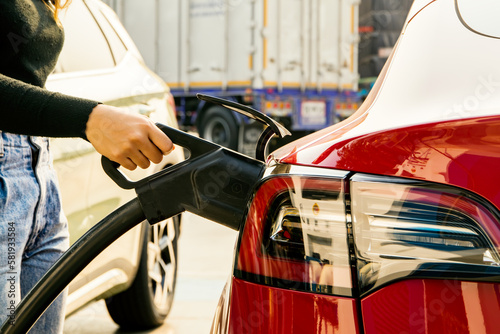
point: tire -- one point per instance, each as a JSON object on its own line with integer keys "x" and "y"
{"x": 149, "y": 299}
{"x": 219, "y": 126}
{"x": 371, "y": 66}
{"x": 371, "y": 43}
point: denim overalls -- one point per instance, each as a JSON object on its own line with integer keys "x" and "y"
{"x": 33, "y": 229}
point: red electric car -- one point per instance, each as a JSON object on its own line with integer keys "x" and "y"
{"x": 387, "y": 222}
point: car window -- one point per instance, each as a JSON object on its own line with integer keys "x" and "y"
{"x": 480, "y": 16}
{"x": 117, "y": 46}
{"x": 85, "y": 47}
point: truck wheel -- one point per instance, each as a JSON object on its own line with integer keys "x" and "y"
{"x": 149, "y": 299}
{"x": 220, "y": 127}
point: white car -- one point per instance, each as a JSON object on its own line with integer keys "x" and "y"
{"x": 100, "y": 62}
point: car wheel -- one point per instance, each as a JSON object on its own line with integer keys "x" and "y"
{"x": 149, "y": 299}
{"x": 220, "y": 127}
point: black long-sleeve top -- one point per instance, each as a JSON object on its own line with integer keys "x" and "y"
{"x": 30, "y": 43}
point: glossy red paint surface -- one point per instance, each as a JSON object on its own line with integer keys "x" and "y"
{"x": 433, "y": 306}
{"x": 463, "y": 153}
{"x": 262, "y": 309}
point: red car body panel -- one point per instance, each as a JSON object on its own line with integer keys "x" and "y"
{"x": 460, "y": 153}
{"x": 262, "y": 309}
{"x": 432, "y": 306}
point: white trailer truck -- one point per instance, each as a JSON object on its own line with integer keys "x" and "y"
{"x": 295, "y": 60}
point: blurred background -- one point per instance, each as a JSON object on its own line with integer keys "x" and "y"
{"x": 306, "y": 63}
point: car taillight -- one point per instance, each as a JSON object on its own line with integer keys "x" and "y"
{"x": 420, "y": 230}
{"x": 296, "y": 236}
{"x": 348, "y": 237}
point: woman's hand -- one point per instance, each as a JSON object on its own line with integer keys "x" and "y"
{"x": 129, "y": 139}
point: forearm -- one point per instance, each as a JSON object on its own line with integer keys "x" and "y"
{"x": 30, "y": 110}
{"x": 129, "y": 139}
